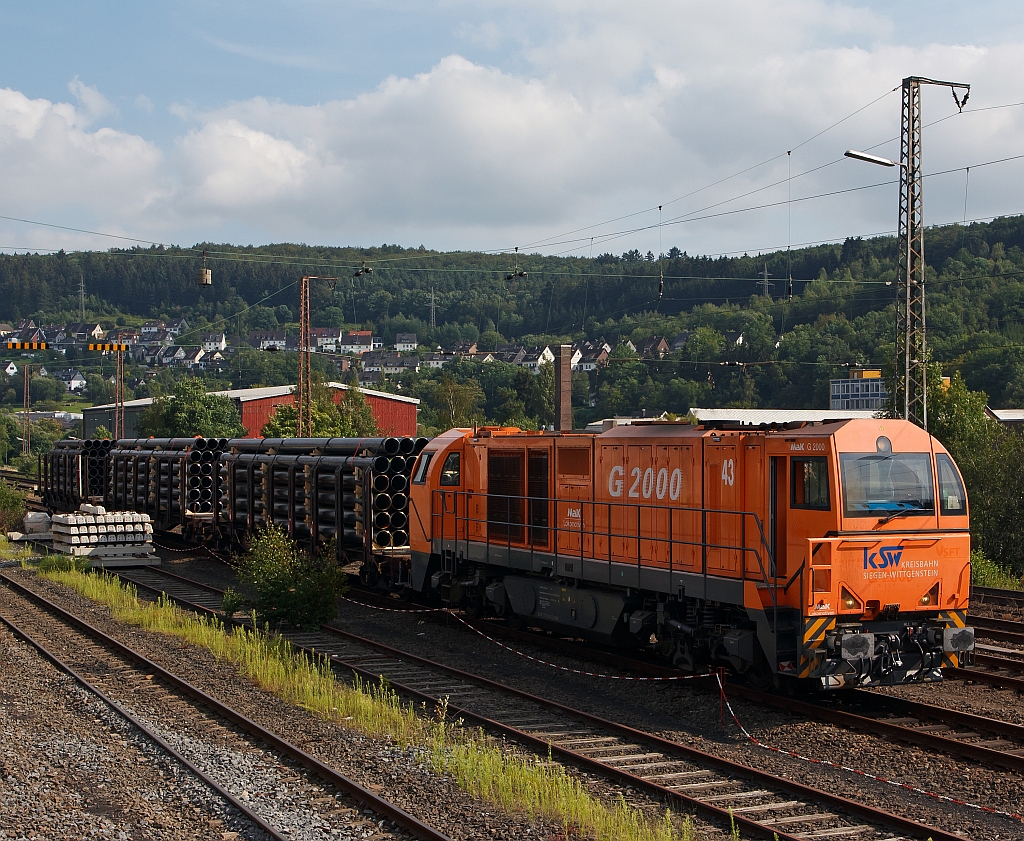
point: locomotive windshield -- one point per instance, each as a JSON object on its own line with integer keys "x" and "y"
{"x": 887, "y": 484}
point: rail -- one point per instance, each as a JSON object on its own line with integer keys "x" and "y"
{"x": 329, "y": 774}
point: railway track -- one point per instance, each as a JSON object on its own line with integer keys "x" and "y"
{"x": 993, "y": 664}
{"x": 762, "y": 804}
{"x": 112, "y": 671}
{"x": 958, "y": 734}
{"x": 995, "y": 596}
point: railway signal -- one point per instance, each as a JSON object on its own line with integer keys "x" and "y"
{"x": 106, "y": 347}
{"x": 28, "y": 346}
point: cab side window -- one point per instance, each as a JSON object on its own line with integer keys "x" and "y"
{"x": 952, "y": 499}
{"x": 450, "y": 470}
{"x": 420, "y": 476}
{"x": 809, "y": 483}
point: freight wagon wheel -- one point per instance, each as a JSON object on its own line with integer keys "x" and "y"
{"x": 369, "y": 575}
{"x": 515, "y": 621}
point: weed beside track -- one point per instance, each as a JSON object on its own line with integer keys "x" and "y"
{"x": 480, "y": 764}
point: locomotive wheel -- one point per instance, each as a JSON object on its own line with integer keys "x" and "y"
{"x": 761, "y": 678}
{"x": 473, "y": 607}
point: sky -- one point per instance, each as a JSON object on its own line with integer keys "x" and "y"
{"x": 557, "y": 127}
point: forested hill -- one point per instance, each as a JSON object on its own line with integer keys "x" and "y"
{"x": 841, "y": 312}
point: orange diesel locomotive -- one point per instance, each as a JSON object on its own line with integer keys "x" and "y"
{"x": 835, "y": 554}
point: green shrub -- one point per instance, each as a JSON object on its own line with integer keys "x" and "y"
{"x": 231, "y": 603}
{"x": 12, "y": 507}
{"x": 987, "y": 573}
{"x": 62, "y": 563}
{"x": 291, "y": 586}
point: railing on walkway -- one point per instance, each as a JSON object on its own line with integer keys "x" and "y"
{"x": 673, "y": 538}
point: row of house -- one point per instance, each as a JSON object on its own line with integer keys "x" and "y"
{"x": 72, "y": 378}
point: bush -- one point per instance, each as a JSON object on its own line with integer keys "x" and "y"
{"x": 987, "y": 573}
{"x": 62, "y": 563}
{"x": 291, "y": 586}
{"x": 12, "y": 507}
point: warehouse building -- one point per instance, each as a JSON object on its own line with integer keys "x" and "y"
{"x": 394, "y": 414}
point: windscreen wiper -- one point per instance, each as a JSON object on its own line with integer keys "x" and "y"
{"x": 902, "y": 512}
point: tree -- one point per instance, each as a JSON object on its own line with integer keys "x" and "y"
{"x": 191, "y": 411}
{"x": 99, "y": 389}
{"x": 456, "y": 404}
{"x": 292, "y": 586}
{"x": 356, "y": 415}
{"x": 101, "y": 432}
{"x": 352, "y": 418}
{"x": 991, "y": 460}
{"x": 45, "y": 433}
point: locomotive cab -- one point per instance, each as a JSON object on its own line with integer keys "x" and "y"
{"x": 886, "y": 592}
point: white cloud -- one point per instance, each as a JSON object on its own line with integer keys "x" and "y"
{"x": 620, "y": 108}
{"x": 144, "y": 103}
{"x": 92, "y": 104}
{"x": 53, "y": 165}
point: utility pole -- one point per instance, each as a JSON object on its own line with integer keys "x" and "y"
{"x": 765, "y": 285}
{"x": 433, "y": 310}
{"x": 118, "y": 349}
{"x": 81, "y": 294}
{"x": 304, "y": 396}
{"x": 26, "y": 429}
{"x": 911, "y": 352}
{"x": 119, "y": 396}
{"x": 26, "y": 421}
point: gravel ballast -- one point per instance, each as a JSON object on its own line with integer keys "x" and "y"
{"x": 70, "y": 767}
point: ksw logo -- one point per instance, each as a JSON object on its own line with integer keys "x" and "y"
{"x": 887, "y": 556}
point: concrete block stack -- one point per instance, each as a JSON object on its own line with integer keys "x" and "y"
{"x": 94, "y": 533}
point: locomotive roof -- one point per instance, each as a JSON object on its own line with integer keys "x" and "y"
{"x": 776, "y": 417}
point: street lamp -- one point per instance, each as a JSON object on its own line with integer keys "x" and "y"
{"x": 871, "y": 159}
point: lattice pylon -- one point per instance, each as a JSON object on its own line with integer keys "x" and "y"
{"x": 119, "y": 395}
{"x": 911, "y": 342}
{"x": 26, "y": 425}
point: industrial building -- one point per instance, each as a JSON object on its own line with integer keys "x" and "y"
{"x": 394, "y": 414}
{"x": 865, "y": 389}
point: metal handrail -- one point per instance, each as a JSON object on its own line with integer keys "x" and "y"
{"x": 760, "y": 552}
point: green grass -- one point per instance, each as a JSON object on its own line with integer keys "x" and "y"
{"x": 481, "y": 765}
{"x": 987, "y": 573}
{"x": 11, "y": 551}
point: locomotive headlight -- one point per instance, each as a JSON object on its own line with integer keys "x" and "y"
{"x": 849, "y": 602}
{"x": 926, "y": 599}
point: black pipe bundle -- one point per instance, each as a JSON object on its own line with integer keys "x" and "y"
{"x": 73, "y": 471}
{"x": 352, "y": 491}
{"x": 171, "y": 479}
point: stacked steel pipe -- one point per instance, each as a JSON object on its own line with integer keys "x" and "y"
{"x": 73, "y": 471}
{"x": 171, "y": 479}
{"x": 352, "y": 491}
